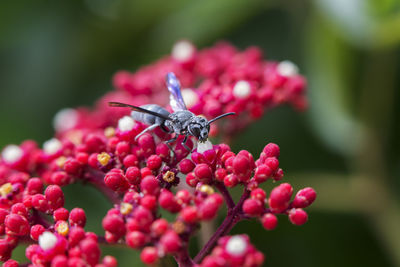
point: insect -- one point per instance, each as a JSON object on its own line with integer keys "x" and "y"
{"x": 180, "y": 122}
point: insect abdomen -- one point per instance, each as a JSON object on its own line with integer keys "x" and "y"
{"x": 148, "y": 118}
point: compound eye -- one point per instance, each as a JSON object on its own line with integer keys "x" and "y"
{"x": 195, "y": 130}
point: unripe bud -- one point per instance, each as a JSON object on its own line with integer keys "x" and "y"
{"x": 298, "y": 216}
{"x": 269, "y": 221}
{"x": 304, "y": 198}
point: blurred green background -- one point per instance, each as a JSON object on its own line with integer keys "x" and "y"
{"x": 56, "y": 54}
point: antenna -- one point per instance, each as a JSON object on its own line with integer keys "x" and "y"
{"x": 221, "y": 116}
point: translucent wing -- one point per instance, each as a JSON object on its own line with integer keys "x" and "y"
{"x": 175, "y": 98}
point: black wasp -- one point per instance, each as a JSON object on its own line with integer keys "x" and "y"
{"x": 180, "y": 122}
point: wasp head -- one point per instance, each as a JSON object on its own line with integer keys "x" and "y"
{"x": 199, "y": 128}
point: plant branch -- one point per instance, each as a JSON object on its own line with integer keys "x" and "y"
{"x": 227, "y": 196}
{"x": 234, "y": 216}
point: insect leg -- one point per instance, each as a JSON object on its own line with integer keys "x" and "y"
{"x": 151, "y": 127}
{"x": 184, "y": 142}
{"x": 172, "y": 139}
{"x": 165, "y": 129}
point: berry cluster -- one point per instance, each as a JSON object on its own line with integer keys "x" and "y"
{"x": 216, "y": 80}
{"x": 145, "y": 178}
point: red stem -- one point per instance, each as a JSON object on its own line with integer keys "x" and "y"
{"x": 225, "y": 193}
{"x": 234, "y": 216}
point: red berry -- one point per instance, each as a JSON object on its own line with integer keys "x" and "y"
{"x": 90, "y": 251}
{"x": 136, "y": 239}
{"x": 280, "y": 197}
{"x": 116, "y": 180}
{"x": 60, "y": 214}
{"x": 130, "y": 161}
{"x": 54, "y": 196}
{"x": 262, "y": 173}
{"x": 59, "y": 261}
{"x": 150, "y": 185}
{"x": 133, "y": 175}
{"x": 16, "y": 225}
{"x": 259, "y": 194}
{"x": 304, "y": 198}
{"x": 149, "y": 255}
{"x": 298, "y": 216}
{"x": 34, "y": 186}
{"x": 36, "y": 231}
{"x": 167, "y": 201}
{"x": 159, "y": 227}
{"x": 203, "y": 172}
{"x": 122, "y": 149}
{"x": 19, "y": 208}
{"x": 186, "y": 166}
{"x": 110, "y": 261}
{"x": 72, "y": 166}
{"x": 220, "y": 174}
{"x": 189, "y": 214}
{"x": 77, "y": 217}
{"x": 191, "y": 179}
{"x": 143, "y": 216}
{"x": 149, "y": 202}
{"x": 269, "y": 221}
{"x": 231, "y": 180}
{"x": 10, "y": 263}
{"x": 252, "y": 207}
{"x": 75, "y": 235}
{"x": 271, "y": 150}
{"x": 154, "y": 162}
{"x": 40, "y": 202}
{"x": 170, "y": 242}
{"x": 272, "y": 163}
{"x": 114, "y": 224}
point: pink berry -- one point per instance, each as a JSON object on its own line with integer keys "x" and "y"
{"x": 170, "y": 242}
{"x": 252, "y": 207}
{"x": 136, "y": 239}
{"x": 110, "y": 261}
{"x": 61, "y": 214}
{"x": 40, "y": 202}
{"x": 186, "y": 166}
{"x": 262, "y": 173}
{"x": 154, "y": 162}
{"x": 34, "y": 186}
{"x": 269, "y": 221}
{"x": 304, "y": 198}
{"x": 36, "y": 231}
{"x": 130, "y": 161}
{"x": 116, "y": 180}
{"x": 298, "y": 216}
{"x": 77, "y": 217}
{"x": 114, "y": 224}
{"x": 189, "y": 214}
{"x": 191, "y": 179}
{"x": 258, "y": 194}
{"x": 203, "y": 172}
{"x": 16, "y": 225}
{"x": 133, "y": 175}
{"x": 149, "y": 255}
{"x": 280, "y": 197}
{"x": 54, "y": 196}
{"x": 10, "y": 263}
{"x": 90, "y": 251}
{"x": 159, "y": 227}
{"x": 150, "y": 185}
{"x": 272, "y": 150}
